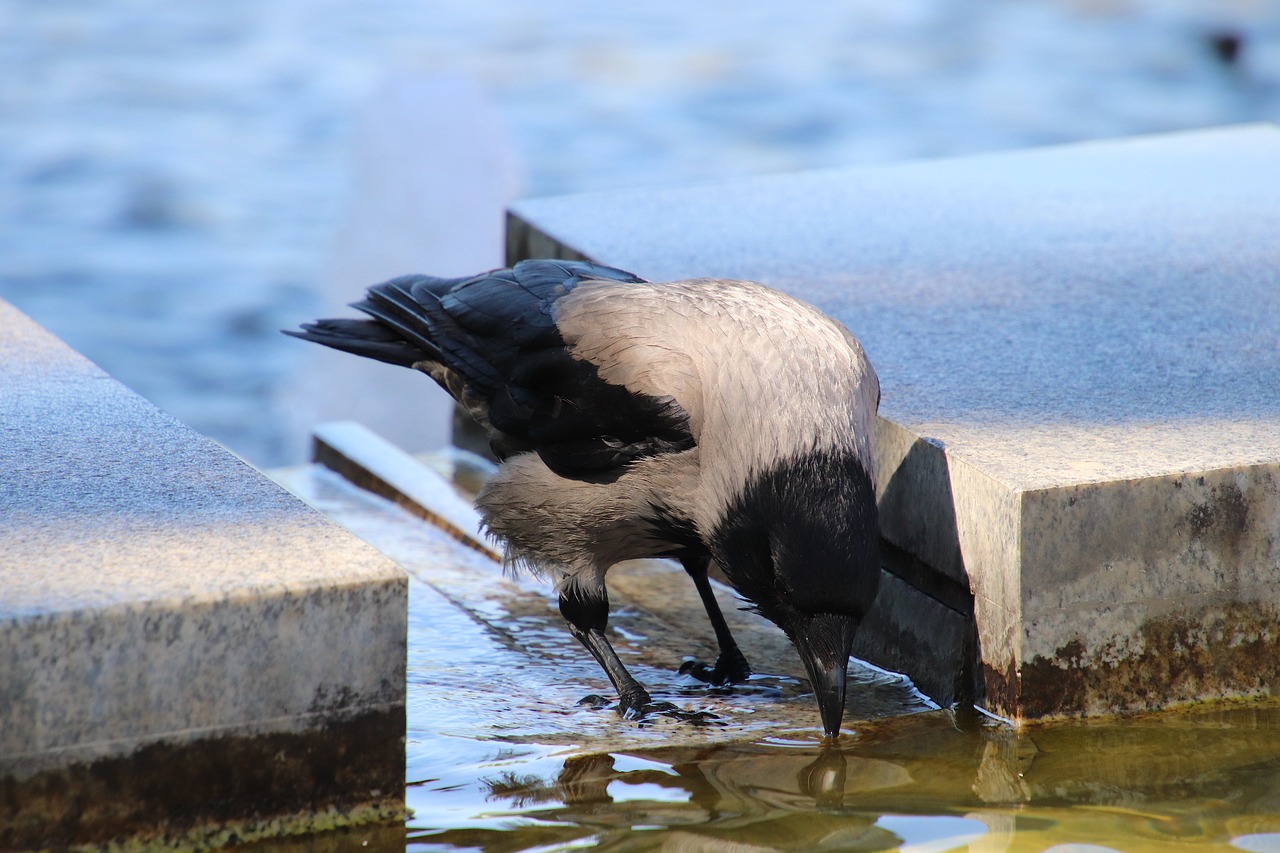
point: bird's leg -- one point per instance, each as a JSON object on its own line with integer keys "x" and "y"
{"x": 731, "y": 666}
{"x": 587, "y": 612}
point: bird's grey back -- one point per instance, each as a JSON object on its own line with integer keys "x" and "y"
{"x": 763, "y": 377}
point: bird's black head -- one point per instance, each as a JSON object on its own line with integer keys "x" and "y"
{"x": 801, "y": 542}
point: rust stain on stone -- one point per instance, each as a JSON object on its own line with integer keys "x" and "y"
{"x": 1221, "y": 520}
{"x": 213, "y": 791}
{"x": 1225, "y": 650}
{"x": 1000, "y": 689}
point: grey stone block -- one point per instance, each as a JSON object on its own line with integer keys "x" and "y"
{"x": 1079, "y": 349}
{"x": 174, "y": 621}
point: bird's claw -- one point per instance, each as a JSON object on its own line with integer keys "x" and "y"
{"x": 726, "y": 671}
{"x": 640, "y": 711}
{"x": 675, "y": 712}
{"x": 696, "y": 718}
{"x": 699, "y": 670}
{"x": 643, "y": 711}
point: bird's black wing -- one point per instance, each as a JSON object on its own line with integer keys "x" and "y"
{"x": 497, "y": 332}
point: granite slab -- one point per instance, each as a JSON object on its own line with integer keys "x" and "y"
{"x": 184, "y": 646}
{"x": 1079, "y": 351}
{"x": 373, "y": 463}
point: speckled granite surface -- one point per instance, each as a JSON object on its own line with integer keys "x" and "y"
{"x": 158, "y": 591}
{"x": 1079, "y": 350}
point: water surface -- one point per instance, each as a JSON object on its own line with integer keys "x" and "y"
{"x": 1203, "y": 781}
{"x": 501, "y": 757}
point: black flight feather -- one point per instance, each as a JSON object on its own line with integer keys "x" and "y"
{"x": 497, "y": 332}
{"x": 361, "y": 337}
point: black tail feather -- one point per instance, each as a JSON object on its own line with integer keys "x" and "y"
{"x": 405, "y": 305}
{"x": 366, "y": 338}
{"x": 496, "y": 342}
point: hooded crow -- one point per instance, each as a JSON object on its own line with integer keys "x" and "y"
{"x": 701, "y": 420}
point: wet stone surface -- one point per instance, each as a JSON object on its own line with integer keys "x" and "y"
{"x": 210, "y": 792}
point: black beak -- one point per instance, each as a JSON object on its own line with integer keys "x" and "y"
{"x": 824, "y": 641}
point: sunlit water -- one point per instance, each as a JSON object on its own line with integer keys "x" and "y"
{"x": 929, "y": 782}
{"x": 501, "y": 757}
{"x": 554, "y": 775}
{"x": 551, "y": 775}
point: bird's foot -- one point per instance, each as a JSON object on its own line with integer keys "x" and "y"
{"x": 675, "y": 712}
{"x": 642, "y": 709}
{"x": 730, "y": 668}
{"x": 639, "y": 712}
{"x": 633, "y": 703}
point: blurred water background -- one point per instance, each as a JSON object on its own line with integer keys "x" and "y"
{"x": 179, "y": 181}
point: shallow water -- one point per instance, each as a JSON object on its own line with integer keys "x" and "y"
{"x": 1204, "y": 781}
{"x": 491, "y": 769}
{"x": 501, "y": 757}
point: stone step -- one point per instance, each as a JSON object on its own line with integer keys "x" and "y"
{"x": 188, "y": 653}
{"x": 1079, "y": 352}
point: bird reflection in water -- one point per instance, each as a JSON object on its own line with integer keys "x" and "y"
{"x": 782, "y": 798}
{"x": 1207, "y": 777}
{"x": 824, "y": 779}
